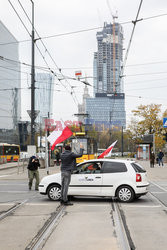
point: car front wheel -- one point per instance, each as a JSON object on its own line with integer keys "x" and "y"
{"x": 125, "y": 194}
{"x": 54, "y": 192}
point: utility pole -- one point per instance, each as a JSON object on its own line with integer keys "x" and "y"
{"x": 154, "y": 143}
{"x": 49, "y": 150}
{"x": 122, "y": 139}
{"x": 32, "y": 81}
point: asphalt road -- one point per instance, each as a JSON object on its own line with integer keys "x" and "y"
{"x": 88, "y": 223}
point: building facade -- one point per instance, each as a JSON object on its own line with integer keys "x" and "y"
{"x": 107, "y": 110}
{"x": 108, "y": 59}
{"x": 82, "y": 107}
{"x": 10, "y": 85}
{"x": 108, "y": 104}
{"x": 44, "y": 84}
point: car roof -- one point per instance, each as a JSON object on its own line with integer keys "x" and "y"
{"x": 111, "y": 160}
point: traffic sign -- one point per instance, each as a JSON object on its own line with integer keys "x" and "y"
{"x": 165, "y": 122}
{"x": 36, "y": 112}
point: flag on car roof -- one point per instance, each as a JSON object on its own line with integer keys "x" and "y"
{"x": 59, "y": 136}
{"x": 108, "y": 151}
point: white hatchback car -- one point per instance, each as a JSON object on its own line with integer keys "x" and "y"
{"x": 123, "y": 179}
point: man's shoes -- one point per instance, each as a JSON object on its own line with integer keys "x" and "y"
{"x": 36, "y": 189}
{"x": 29, "y": 188}
{"x": 67, "y": 203}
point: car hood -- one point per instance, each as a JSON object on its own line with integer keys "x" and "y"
{"x": 51, "y": 178}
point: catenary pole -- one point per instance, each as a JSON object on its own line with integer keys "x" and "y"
{"x": 32, "y": 81}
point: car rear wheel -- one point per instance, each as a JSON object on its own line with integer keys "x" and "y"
{"x": 54, "y": 192}
{"x": 125, "y": 194}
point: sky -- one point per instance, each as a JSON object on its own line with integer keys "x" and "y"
{"x": 145, "y": 75}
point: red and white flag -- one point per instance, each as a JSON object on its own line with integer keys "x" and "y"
{"x": 59, "y": 136}
{"x": 108, "y": 151}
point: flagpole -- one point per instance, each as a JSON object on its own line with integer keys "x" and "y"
{"x": 46, "y": 153}
{"x": 74, "y": 137}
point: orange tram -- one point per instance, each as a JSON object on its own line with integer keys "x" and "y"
{"x": 9, "y": 152}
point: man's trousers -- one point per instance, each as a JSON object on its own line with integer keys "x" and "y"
{"x": 65, "y": 181}
{"x": 31, "y": 175}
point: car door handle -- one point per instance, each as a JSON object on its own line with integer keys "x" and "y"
{"x": 98, "y": 177}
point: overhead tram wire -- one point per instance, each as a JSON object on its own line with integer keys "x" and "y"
{"x": 47, "y": 69}
{"x": 138, "y": 20}
{"x": 152, "y": 80}
{"x": 19, "y": 17}
{"x": 46, "y": 50}
{"x": 35, "y": 44}
{"x": 152, "y": 73}
{"x": 159, "y": 87}
{"x": 130, "y": 41}
{"x": 84, "y": 30}
{"x": 22, "y": 63}
{"x": 14, "y": 70}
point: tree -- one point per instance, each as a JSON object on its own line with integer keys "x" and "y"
{"x": 148, "y": 121}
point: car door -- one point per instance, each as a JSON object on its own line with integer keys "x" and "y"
{"x": 114, "y": 174}
{"x": 86, "y": 180}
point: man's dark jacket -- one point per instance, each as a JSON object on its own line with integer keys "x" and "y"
{"x": 68, "y": 160}
{"x": 33, "y": 165}
{"x": 160, "y": 155}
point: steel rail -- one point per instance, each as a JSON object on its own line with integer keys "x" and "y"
{"x": 43, "y": 234}
{"x": 123, "y": 234}
{"x": 13, "y": 208}
{"x": 155, "y": 197}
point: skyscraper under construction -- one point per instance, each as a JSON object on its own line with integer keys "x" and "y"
{"x": 108, "y": 104}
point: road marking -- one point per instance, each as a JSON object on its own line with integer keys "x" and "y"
{"x": 5, "y": 204}
{"x": 138, "y": 206}
{"x": 158, "y": 186}
{"x": 99, "y": 205}
{"x": 13, "y": 184}
{"x": 160, "y": 192}
{"x": 14, "y": 191}
{"x": 40, "y": 204}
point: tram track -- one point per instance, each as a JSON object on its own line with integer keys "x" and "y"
{"x": 12, "y": 209}
{"x": 122, "y": 231}
{"x": 156, "y": 198}
{"x": 43, "y": 234}
{"x": 38, "y": 241}
{"x": 118, "y": 219}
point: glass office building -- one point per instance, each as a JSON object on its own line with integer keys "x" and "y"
{"x": 44, "y": 84}
{"x": 108, "y": 104}
{"x": 106, "y": 109}
{"x": 108, "y": 59}
{"x": 10, "y": 83}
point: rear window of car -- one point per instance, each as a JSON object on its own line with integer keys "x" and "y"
{"x": 138, "y": 168}
{"x": 113, "y": 167}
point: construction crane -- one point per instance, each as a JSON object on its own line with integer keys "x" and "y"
{"x": 114, "y": 46}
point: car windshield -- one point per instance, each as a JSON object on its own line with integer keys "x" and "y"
{"x": 138, "y": 168}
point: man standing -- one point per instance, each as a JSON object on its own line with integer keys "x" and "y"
{"x": 68, "y": 163}
{"x": 160, "y": 157}
{"x": 152, "y": 159}
{"x": 33, "y": 171}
